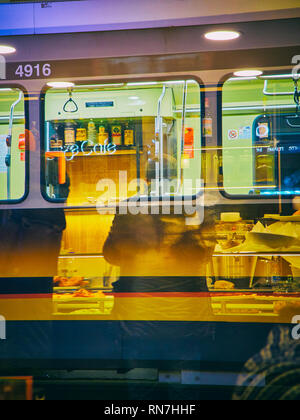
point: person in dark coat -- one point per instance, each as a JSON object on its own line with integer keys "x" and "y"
{"x": 162, "y": 300}
{"x": 164, "y": 259}
{"x": 30, "y": 241}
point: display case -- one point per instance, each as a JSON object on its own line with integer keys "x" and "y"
{"x": 260, "y": 138}
{"x": 104, "y": 144}
{"x": 94, "y": 132}
{"x": 277, "y": 148}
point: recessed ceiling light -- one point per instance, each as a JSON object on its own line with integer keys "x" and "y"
{"x": 60, "y": 85}
{"x": 235, "y": 79}
{"x": 142, "y": 83}
{"x": 104, "y": 85}
{"x": 222, "y": 35}
{"x": 175, "y": 82}
{"x": 6, "y": 49}
{"x": 248, "y": 73}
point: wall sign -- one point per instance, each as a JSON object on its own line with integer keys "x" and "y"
{"x": 87, "y": 149}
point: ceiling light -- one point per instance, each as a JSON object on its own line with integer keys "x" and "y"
{"x": 104, "y": 85}
{"x": 248, "y": 73}
{"x": 60, "y": 85}
{"x": 175, "y": 82}
{"x": 142, "y": 84}
{"x": 6, "y": 49}
{"x": 222, "y": 35}
{"x": 235, "y": 79}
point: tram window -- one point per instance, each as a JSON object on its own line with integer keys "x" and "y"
{"x": 123, "y": 134}
{"x": 261, "y": 136}
{"x": 12, "y": 145}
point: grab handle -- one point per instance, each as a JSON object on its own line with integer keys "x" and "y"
{"x": 70, "y": 101}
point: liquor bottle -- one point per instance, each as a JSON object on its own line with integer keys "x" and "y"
{"x": 116, "y": 134}
{"x": 57, "y": 139}
{"x": 70, "y": 137}
{"x": 81, "y": 134}
{"x": 103, "y": 135}
{"x": 92, "y": 132}
{"x": 129, "y": 135}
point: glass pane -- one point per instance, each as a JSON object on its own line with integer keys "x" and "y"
{"x": 261, "y": 136}
{"x": 107, "y": 143}
{"x": 12, "y": 145}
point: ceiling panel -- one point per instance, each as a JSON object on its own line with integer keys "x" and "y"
{"x": 57, "y": 16}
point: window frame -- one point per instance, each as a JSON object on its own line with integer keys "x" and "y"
{"x": 149, "y": 200}
{"x": 220, "y": 88}
{"x": 27, "y": 152}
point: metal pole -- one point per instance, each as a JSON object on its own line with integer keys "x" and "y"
{"x": 9, "y": 144}
{"x": 160, "y": 138}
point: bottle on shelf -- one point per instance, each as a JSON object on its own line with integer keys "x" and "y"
{"x": 92, "y": 132}
{"x": 70, "y": 137}
{"x": 129, "y": 135}
{"x": 103, "y": 135}
{"x": 265, "y": 169}
{"x": 116, "y": 134}
{"x": 81, "y": 134}
{"x": 57, "y": 139}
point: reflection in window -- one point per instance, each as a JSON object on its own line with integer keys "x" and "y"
{"x": 117, "y": 141}
{"x": 261, "y": 136}
{"x": 12, "y": 144}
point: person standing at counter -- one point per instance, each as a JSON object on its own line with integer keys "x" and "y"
{"x": 163, "y": 269}
{"x": 29, "y": 250}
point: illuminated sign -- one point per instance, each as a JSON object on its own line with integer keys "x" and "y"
{"x": 87, "y": 149}
{"x": 103, "y": 104}
{"x": 282, "y": 149}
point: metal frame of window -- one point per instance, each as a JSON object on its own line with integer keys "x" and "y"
{"x": 142, "y": 199}
{"x": 27, "y": 154}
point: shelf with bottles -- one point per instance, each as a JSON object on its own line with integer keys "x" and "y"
{"x": 95, "y": 136}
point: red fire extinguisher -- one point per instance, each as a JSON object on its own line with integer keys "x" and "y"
{"x": 22, "y": 146}
{"x": 189, "y": 143}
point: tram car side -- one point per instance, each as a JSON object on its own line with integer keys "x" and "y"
{"x": 129, "y": 188}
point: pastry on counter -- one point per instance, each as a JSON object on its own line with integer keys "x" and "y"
{"x": 69, "y": 281}
{"x": 81, "y": 293}
{"x": 225, "y": 285}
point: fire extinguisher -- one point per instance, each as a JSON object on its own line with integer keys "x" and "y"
{"x": 22, "y": 146}
{"x": 189, "y": 152}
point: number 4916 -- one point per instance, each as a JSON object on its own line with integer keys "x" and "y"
{"x": 38, "y": 70}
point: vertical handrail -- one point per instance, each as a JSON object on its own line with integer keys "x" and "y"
{"x": 297, "y": 102}
{"x": 181, "y": 148}
{"x": 160, "y": 137}
{"x": 9, "y": 143}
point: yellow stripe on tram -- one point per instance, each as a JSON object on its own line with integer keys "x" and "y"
{"x": 197, "y": 308}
